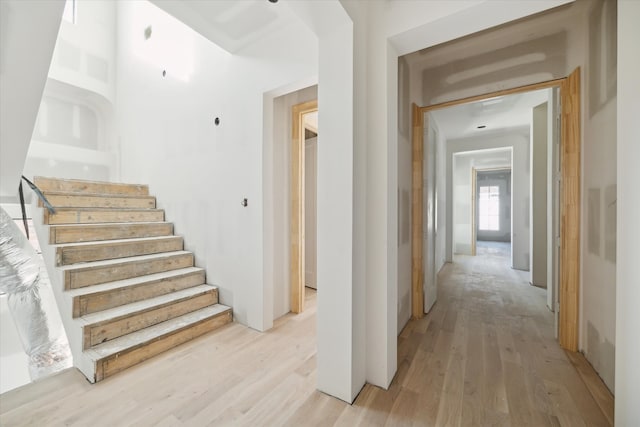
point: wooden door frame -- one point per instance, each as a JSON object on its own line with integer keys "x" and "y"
{"x": 297, "y": 229}
{"x": 570, "y": 170}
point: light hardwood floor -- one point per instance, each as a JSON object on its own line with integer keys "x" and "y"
{"x": 484, "y": 356}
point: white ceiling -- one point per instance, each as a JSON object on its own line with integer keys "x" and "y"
{"x": 491, "y": 158}
{"x": 231, "y": 24}
{"x": 498, "y": 114}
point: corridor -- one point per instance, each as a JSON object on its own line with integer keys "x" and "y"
{"x": 486, "y": 355}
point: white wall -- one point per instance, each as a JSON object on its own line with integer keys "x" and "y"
{"x": 341, "y": 305}
{"x": 85, "y": 53}
{"x": 599, "y": 179}
{"x": 409, "y": 92}
{"x": 201, "y": 172}
{"x": 28, "y": 30}
{"x": 310, "y": 212}
{"x": 538, "y": 206}
{"x": 627, "y": 375}
{"x": 520, "y": 178}
{"x": 277, "y": 199}
{"x": 441, "y": 197}
{"x": 462, "y": 210}
{"x": 74, "y": 135}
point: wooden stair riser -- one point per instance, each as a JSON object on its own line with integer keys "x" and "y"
{"x": 81, "y": 277}
{"x": 93, "y": 216}
{"x": 76, "y": 186}
{"x": 93, "y": 303}
{"x": 59, "y": 234}
{"x": 134, "y": 288}
{"x": 114, "y": 328}
{"x": 99, "y": 201}
{"x": 68, "y": 255}
{"x": 120, "y": 361}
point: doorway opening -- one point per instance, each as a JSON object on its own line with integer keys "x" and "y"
{"x": 304, "y": 149}
{"x": 565, "y": 211}
{"x": 492, "y": 209}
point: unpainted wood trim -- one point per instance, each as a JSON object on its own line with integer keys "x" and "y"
{"x": 504, "y": 92}
{"x": 417, "y": 269}
{"x": 297, "y": 203}
{"x": 570, "y": 213}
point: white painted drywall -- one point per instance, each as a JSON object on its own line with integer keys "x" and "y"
{"x": 519, "y": 143}
{"x": 441, "y": 196}
{"x": 310, "y": 212}
{"x": 74, "y": 135}
{"x": 461, "y": 196}
{"x": 85, "y": 52}
{"x": 538, "y": 206}
{"x": 14, "y": 363}
{"x": 199, "y": 171}
{"x": 627, "y": 374}
{"x": 553, "y": 200}
{"x": 277, "y": 199}
{"x": 599, "y": 179}
{"x": 340, "y": 374}
{"x": 404, "y": 194}
{"x": 28, "y": 30}
{"x": 430, "y": 284}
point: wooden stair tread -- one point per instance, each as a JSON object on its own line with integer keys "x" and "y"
{"x": 152, "y": 333}
{"x": 100, "y": 232}
{"x": 135, "y": 281}
{"x": 147, "y": 304}
{"x": 105, "y": 195}
{"x": 109, "y": 224}
{"x": 115, "y": 201}
{"x": 131, "y": 241}
{"x": 100, "y": 209}
{"x": 112, "y": 262}
{"x": 69, "y": 215}
{"x": 53, "y": 184}
{"x": 81, "y": 253}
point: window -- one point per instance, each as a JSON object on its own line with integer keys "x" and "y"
{"x": 489, "y": 208}
{"x": 69, "y": 13}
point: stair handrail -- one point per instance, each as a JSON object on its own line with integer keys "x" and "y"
{"x": 40, "y": 195}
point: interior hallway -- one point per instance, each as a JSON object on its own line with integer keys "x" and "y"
{"x": 485, "y": 355}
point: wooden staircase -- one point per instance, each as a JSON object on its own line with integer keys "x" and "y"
{"x": 125, "y": 287}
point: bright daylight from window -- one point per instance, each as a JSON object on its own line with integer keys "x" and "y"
{"x": 69, "y": 13}
{"x": 489, "y": 208}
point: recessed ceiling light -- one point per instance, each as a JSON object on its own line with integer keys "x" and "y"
{"x": 482, "y": 126}
{"x": 273, "y": 1}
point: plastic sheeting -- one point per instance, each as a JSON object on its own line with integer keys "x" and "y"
{"x": 31, "y": 303}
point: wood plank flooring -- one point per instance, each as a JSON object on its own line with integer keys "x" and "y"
{"x": 484, "y": 356}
